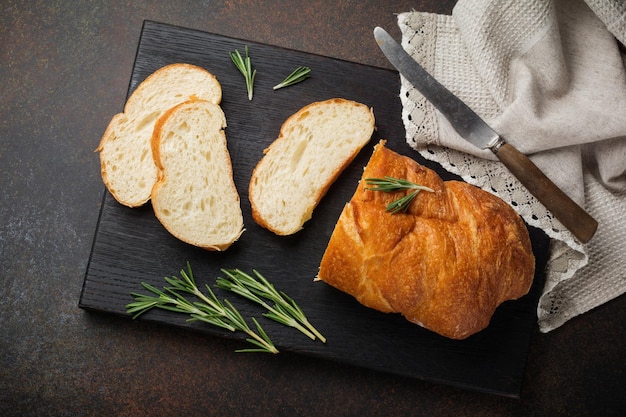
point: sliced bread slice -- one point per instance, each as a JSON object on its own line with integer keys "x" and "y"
{"x": 314, "y": 146}
{"x": 195, "y": 196}
{"x": 126, "y": 162}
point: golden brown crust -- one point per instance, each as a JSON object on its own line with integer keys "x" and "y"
{"x": 171, "y": 67}
{"x": 446, "y": 264}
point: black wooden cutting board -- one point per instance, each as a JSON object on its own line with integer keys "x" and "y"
{"x": 130, "y": 245}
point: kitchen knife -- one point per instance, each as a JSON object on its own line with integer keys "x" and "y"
{"x": 473, "y": 129}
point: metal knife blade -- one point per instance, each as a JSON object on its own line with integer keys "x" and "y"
{"x": 476, "y": 131}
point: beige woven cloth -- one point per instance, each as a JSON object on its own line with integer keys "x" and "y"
{"x": 547, "y": 75}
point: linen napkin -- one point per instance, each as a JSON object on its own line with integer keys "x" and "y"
{"x": 548, "y": 75}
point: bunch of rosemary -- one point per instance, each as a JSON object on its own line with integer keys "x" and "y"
{"x": 298, "y": 75}
{"x": 285, "y": 310}
{"x": 209, "y": 309}
{"x": 244, "y": 65}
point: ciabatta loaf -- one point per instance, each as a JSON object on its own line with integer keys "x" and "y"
{"x": 195, "y": 196}
{"x": 126, "y": 162}
{"x": 313, "y": 148}
{"x": 445, "y": 264}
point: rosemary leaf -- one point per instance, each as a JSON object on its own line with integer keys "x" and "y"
{"x": 391, "y": 184}
{"x": 244, "y": 65}
{"x": 215, "y": 321}
{"x": 298, "y": 75}
{"x": 263, "y": 335}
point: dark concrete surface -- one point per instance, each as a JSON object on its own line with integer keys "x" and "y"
{"x": 64, "y": 71}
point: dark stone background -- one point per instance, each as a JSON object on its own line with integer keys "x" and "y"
{"x": 64, "y": 71}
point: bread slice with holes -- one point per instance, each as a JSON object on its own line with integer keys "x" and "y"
{"x": 126, "y": 162}
{"x": 314, "y": 146}
{"x": 195, "y": 197}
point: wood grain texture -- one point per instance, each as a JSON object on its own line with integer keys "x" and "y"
{"x": 130, "y": 246}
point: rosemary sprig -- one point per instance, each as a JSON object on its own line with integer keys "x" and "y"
{"x": 284, "y": 309}
{"x": 209, "y": 309}
{"x": 390, "y": 184}
{"x": 244, "y": 65}
{"x": 298, "y": 75}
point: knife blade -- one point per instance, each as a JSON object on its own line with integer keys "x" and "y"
{"x": 476, "y": 131}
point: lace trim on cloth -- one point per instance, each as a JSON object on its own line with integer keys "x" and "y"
{"x": 421, "y": 32}
{"x": 564, "y": 298}
{"x": 418, "y": 113}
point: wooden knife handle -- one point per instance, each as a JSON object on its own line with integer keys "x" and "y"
{"x": 570, "y": 214}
